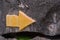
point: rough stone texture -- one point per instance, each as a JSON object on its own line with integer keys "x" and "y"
{"x": 43, "y": 12}
{"x": 37, "y": 9}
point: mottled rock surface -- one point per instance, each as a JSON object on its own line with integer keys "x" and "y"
{"x": 42, "y": 11}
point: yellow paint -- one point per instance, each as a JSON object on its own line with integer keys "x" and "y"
{"x": 22, "y": 20}
{"x": 12, "y": 20}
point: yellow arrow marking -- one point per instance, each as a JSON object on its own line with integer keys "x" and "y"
{"x": 22, "y": 21}
{"x": 12, "y": 20}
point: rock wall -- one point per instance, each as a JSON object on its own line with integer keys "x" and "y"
{"x": 36, "y": 9}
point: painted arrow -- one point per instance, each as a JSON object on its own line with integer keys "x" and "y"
{"x": 22, "y": 20}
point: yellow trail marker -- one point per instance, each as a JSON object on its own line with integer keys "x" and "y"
{"x": 22, "y": 21}
{"x": 12, "y": 20}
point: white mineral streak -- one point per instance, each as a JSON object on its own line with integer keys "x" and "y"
{"x": 53, "y": 27}
{"x": 21, "y": 5}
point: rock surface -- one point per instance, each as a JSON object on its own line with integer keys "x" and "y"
{"x": 38, "y": 10}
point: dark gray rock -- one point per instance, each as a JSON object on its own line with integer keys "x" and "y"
{"x": 41, "y": 10}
